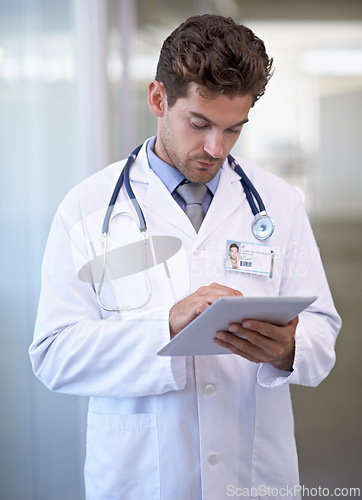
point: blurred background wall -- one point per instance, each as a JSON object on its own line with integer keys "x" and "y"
{"x": 73, "y": 86}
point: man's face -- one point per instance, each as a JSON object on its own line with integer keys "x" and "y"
{"x": 197, "y": 133}
{"x": 233, "y": 253}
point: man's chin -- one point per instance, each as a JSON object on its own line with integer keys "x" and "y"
{"x": 203, "y": 175}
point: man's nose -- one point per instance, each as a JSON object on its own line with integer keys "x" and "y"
{"x": 214, "y": 144}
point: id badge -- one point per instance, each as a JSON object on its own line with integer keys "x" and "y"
{"x": 252, "y": 258}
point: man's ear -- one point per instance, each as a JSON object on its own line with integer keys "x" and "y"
{"x": 157, "y": 98}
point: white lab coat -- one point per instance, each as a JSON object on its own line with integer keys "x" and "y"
{"x": 185, "y": 427}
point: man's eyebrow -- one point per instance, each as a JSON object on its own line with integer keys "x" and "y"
{"x": 203, "y": 117}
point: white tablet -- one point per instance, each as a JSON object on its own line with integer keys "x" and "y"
{"x": 197, "y": 337}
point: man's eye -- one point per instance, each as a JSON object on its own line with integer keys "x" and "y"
{"x": 198, "y": 126}
{"x": 234, "y": 130}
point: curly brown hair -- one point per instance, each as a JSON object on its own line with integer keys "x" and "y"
{"x": 217, "y": 54}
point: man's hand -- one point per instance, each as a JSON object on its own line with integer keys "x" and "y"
{"x": 182, "y": 313}
{"x": 261, "y": 342}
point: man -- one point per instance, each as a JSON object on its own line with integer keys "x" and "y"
{"x": 196, "y": 427}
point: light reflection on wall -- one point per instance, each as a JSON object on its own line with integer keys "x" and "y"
{"x": 36, "y": 64}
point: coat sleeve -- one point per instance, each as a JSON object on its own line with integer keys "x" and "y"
{"x": 77, "y": 351}
{"x": 302, "y": 274}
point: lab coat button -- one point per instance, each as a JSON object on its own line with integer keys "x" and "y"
{"x": 213, "y": 459}
{"x": 209, "y": 389}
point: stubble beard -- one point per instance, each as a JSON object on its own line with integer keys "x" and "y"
{"x": 193, "y": 174}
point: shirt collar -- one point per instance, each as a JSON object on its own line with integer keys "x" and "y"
{"x": 168, "y": 174}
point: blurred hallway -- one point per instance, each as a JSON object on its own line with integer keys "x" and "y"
{"x": 328, "y": 418}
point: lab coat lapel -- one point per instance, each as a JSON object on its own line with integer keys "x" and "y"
{"x": 160, "y": 201}
{"x": 228, "y": 197}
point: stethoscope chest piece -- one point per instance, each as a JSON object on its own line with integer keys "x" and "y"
{"x": 262, "y": 226}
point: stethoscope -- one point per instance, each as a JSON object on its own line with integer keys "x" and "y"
{"x": 262, "y": 226}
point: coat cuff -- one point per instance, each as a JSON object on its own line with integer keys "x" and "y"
{"x": 268, "y": 376}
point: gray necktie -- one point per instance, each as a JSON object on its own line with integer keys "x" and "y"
{"x": 193, "y": 193}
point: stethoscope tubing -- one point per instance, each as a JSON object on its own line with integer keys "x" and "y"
{"x": 124, "y": 178}
{"x": 248, "y": 186}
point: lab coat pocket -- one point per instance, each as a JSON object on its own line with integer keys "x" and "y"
{"x": 122, "y": 457}
{"x": 274, "y": 462}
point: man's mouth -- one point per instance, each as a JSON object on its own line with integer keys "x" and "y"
{"x": 207, "y": 164}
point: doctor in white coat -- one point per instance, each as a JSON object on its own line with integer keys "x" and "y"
{"x": 196, "y": 427}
